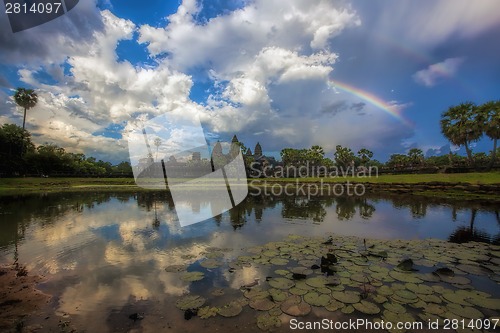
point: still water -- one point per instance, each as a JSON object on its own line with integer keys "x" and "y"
{"x": 104, "y": 254}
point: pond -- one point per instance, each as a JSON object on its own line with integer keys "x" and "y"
{"x": 120, "y": 261}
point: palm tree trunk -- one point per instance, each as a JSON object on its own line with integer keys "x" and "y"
{"x": 468, "y": 151}
{"x": 493, "y": 154}
{"x": 24, "y": 118}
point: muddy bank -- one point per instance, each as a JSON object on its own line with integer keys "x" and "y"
{"x": 19, "y": 298}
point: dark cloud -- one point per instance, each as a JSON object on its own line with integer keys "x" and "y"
{"x": 335, "y": 107}
{"x": 52, "y": 41}
{"x": 358, "y": 107}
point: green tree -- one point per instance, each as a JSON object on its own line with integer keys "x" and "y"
{"x": 365, "y": 156}
{"x": 460, "y": 125}
{"x": 14, "y": 144}
{"x": 490, "y": 114}
{"x": 416, "y": 156}
{"x": 398, "y": 161}
{"x": 27, "y": 99}
{"x": 344, "y": 156}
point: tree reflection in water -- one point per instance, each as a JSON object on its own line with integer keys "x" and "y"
{"x": 18, "y": 213}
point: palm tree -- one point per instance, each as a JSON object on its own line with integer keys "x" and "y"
{"x": 365, "y": 155}
{"x": 460, "y": 125}
{"x": 490, "y": 113}
{"x": 25, "y": 98}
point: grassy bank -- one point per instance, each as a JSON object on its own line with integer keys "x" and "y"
{"x": 12, "y": 186}
{"x": 470, "y": 178}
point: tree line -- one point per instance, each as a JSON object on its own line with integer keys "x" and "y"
{"x": 19, "y": 156}
{"x": 462, "y": 125}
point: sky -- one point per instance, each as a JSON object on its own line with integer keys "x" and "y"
{"x": 373, "y": 74}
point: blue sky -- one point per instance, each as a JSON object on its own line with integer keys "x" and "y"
{"x": 265, "y": 70}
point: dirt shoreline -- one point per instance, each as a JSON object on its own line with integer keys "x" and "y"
{"x": 20, "y": 300}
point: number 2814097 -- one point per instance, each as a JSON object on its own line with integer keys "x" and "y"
{"x": 34, "y": 8}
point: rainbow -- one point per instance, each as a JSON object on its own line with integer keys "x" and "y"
{"x": 370, "y": 98}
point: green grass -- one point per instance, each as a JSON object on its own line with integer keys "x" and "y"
{"x": 11, "y": 186}
{"x": 471, "y": 178}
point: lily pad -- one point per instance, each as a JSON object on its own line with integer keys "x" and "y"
{"x": 395, "y": 307}
{"x": 334, "y": 305}
{"x": 347, "y": 296}
{"x": 298, "y": 291}
{"x": 192, "y": 276}
{"x": 281, "y": 283}
{"x": 231, "y": 310}
{"x": 267, "y": 322}
{"x": 419, "y": 288}
{"x": 210, "y": 263}
{"x": 256, "y": 293}
{"x": 347, "y": 309}
{"x": 261, "y": 304}
{"x": 207, "y": 312}
{"x": 366, "y": 307}
{"x": 317, "y": 282}
{"x": 294, "y": 306}
{"x": 487, "y": 303}
{"x": 190, "y": 302}
{"x": 315, "y": 299}
{"x": 465, "y": 311}
{"x": 278, "y": 295}
{"x": 176, "y": 268}
{"x": 279, "y": 261}
{"x": 405, "y": 277}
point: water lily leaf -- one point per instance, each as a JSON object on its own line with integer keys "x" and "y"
{"x": 294, "y": 306}
{"x": 231, "y": 310}
{"x": 315, "y": 299}
{"x": 406, "y": 294}
{"x": 279, "y": 261}
{"x": 261, "y": 304}
{"x": 268, "y": 322}
{"x": 444, "y": 271}
{"x": 487, "y": 303}
{"x": 347, "y": 309}
{"x": 378, "y": 298}
{"x": 385, "y": 291}
{"x": 419, "y": 288}
{"x": 317, "y": 282}
{"x": 176, "y": 268}
{"x": 207, "y": 312}
{"x": 214, "y": 255}
{"x": 456, "y": 298}
{"x": 298, "y": 291}
{"x": 475, "y": 270}
{"x": 406, "y": 265}
{"x": 394, "y": 308}
{"x": 430, "y": 298}
{"x": 190, "y": 302}
{"x": 192, "y": 276}
{"x": 405, "y": 277}
{"x": 282, "y": 272}
{"x": 334, "y": 305}
{"x": 435, "y": 309}
{"x": 256, "y": 293}
{"x": 278, "y": 295}
{"x": 281, "y": 283}
{"x": 346, "y": 296}
{"x": 366, "y": 307}
{"x": 465, "y": 311}
{"x": 210, "y": 263}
